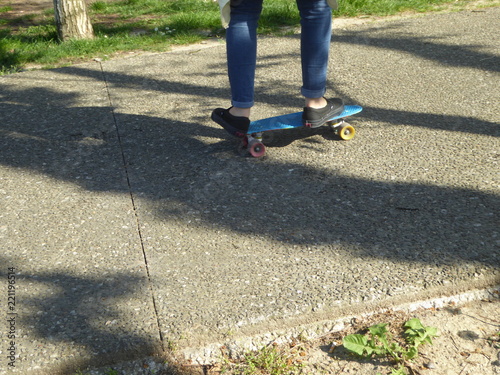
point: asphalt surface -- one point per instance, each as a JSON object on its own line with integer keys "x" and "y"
{"x": 129, "y": 223}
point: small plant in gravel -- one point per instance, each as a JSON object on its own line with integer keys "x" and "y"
{"x": 494, "y": 341}
{"x": 380, "y": 343}
{"x": 270, "y": 360}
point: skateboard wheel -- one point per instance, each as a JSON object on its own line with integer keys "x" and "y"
{"x": 347, "y": 132}
{"x": 257, "y": 149}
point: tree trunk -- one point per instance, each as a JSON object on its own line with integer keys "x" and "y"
{"x": 72, "y": 20}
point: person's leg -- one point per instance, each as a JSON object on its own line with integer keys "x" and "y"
{"x": 241, "y": 50}
{"x": 241, "y": 39}
{"x": 316, "y": 22}
{"x": 316, "y": 32}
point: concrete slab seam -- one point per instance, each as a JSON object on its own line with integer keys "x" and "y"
{"x": 134, "y": 208}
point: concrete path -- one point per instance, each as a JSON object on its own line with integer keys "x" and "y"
{"x": 130, "y": 225}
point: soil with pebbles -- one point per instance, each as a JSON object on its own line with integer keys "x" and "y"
{"x": 468, "y": 343}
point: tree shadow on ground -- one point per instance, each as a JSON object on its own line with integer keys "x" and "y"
{"x": 385, "y": 219}
{"x": 427, "y": 47}
{"x": 169, "y": 164}
{"x": 84, "y": 314}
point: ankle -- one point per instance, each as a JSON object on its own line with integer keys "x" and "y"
{"x": 240, "y": 112}
{"x": 315, "y": 102}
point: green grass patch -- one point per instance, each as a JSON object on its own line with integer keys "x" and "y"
{"x": 269, "y": 360}
{"x": 98, "y": 6}
{"x": 354, "y": 8}
{"x": 154, "y": 25}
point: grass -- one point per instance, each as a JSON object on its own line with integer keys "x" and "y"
{"x": 154, "y": 25}
{"x": 269, "y": 360}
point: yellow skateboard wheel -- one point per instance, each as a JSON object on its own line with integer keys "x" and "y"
{"x": 347, "y": 132}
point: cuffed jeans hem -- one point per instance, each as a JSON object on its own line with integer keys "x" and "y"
{"x": 312, "y": 93}
{"x": 242, "y": 104}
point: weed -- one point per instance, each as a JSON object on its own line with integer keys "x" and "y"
{"x": 494, "y": 340}
{"x": 171, "y": 345}
{"x": 381, "y": 344}
{"x": 270, "y": 360}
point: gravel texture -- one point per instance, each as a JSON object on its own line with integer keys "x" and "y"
{"x": 134, "y": 226}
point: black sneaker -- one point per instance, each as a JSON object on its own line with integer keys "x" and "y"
{"x": 234, "y": 125}
{"x": 315, "y": 117}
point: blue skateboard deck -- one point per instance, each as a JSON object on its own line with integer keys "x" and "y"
{"x": 294, "y": 120}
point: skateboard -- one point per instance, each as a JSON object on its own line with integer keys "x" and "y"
{"x": 252, "y": 141}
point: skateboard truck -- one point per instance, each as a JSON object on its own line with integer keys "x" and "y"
{"x": 343, "y": 129}
{"x": 253, "y": 144}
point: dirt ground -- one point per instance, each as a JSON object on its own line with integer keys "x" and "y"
{"x": 26, "y": 7}
{"x": 468, "y": 343}
{"x": 25, "y": 13}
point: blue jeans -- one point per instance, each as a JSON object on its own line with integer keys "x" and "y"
{"x": 241, "y": 37}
